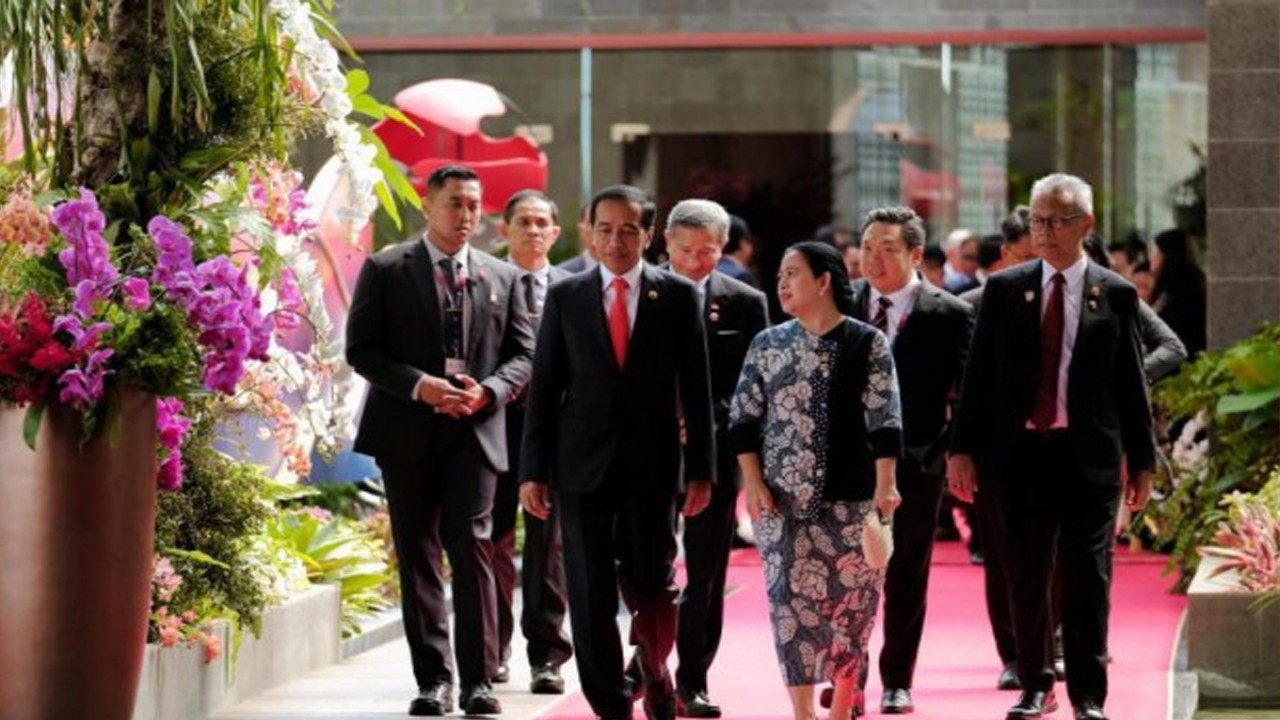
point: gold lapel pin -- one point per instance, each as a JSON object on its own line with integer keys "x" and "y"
{"x": 714, "y": 316}
{"x": 653, "y": 294}
{"x": 1030, "y": 295}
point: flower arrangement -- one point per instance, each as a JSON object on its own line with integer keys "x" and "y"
{"x": 1248, "y": 540}
{"x": 170, "y": 629}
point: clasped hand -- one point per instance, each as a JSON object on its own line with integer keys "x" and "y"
{"x": 456, "y": 402}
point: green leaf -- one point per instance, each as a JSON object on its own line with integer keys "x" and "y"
{"x": 1244, "y": 402}
{"x": 401, "y": 118}
{"x": 195, "y": 556}
{"x": 154, "y": 95}
{"x": 31, "y": 424}
{"x": 357, "y": 83}
{"x": 388, "y": 203}
{"x": 369, "y": 107}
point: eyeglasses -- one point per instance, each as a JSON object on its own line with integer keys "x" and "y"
{"x": 1052, "y": 224}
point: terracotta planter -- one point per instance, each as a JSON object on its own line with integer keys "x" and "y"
{"x": 77, "y": 529}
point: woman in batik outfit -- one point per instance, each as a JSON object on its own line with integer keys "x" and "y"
{"x": 817, "y": 425}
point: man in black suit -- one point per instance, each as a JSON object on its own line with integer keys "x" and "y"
{"x": 441, "y": 332}
{"x": 929, "y": 331}
{"x": 1016, "y": 247}
{"x": 1054, "y": 398}
{"x": 734, "y": 312}
{"x": 621, "y": 354}
{"x": 530, "y": 226}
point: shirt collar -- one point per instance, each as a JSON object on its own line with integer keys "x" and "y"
{"x": 901, "y": 296}
{"x": 1074, "y": 275}
{"x": 632, "y": 276}
{"x": 463, "y": 256}
{"x": 543, "y": 273}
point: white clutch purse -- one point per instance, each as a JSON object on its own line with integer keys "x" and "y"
{"x": 877, "y": 540}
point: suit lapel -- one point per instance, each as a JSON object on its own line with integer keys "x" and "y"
{"x": 594, "y": 298}
{"x": 422, "y": 275}
{"x": 482, "y": 292}
{"x": 1093, "y": 313}
{"x": 646, "y": 315}
{"x": 861, "y": 298}
{"x": 925, "y": 303}
{"x": 713, "y": 308}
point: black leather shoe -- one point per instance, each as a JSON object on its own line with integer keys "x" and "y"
{"x": 434, "y": 701}
{"x": 897, "y": 701}
{"x": 1033, "y": 704}
{"x": 479, "y": 700}
{"x": 859, "y": 700}
{"x": 546, "y": 680}
{"x": 503, "y": 674}
{"x": 1009, "y": 678}
{"x": 695, "y": 705}
{"x": 1089, "y": 711}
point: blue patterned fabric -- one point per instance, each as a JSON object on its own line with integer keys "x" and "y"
{"x": 822, "y": 595}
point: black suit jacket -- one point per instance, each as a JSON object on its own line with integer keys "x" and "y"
{"x": 395, "y": 334}
{"x": 1107, "y": 410}
{"x": 586, "y": 418}
{"x": 929, "y": 354}
{"x": 734, "y": 313}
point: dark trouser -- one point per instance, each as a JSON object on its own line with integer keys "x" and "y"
{"x": 444, "y": 505}
{"x": 1046, "y": 504}
{"x": 542, "y": 584}
{"x": 996, "y": 572}
{"x": 906, "y": 582}
{"x": 618, "y": 539}
{"x": 707, "y": 539}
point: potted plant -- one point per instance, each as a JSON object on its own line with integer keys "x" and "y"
{"x": 149, "y": 257}
{"x": 1233, "y": 617}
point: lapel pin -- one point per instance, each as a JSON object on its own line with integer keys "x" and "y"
{"x": 1030, "y": 295}
{"x": 653, "y": 294}
{"x": 493, "y": 298}
{"x": 1093, "y": 305}
{"x": 714, "y": 316}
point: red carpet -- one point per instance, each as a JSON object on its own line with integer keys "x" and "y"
{"x": 955, "y": 678}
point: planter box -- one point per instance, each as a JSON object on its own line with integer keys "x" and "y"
{"x": 298, "y": 637}
{"x": 1234, "y": 651}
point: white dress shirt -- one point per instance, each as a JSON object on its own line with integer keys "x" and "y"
{"x": 1072, "y": 298}
{"x": 903, "y": 299}
{"x": 632, "y": 277}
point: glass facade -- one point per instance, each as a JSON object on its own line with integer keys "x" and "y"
{"x": 793, "y": 139}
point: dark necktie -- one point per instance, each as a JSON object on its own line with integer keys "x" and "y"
{"x": 453, "y": 344}
{"x": 531, "y": 294}
{"x": 881, "y": 319}
{"x": 1046, "y": 407}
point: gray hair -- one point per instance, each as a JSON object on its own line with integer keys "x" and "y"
{"x": 1055, "y": 183}
{"x": 705, "y": 214}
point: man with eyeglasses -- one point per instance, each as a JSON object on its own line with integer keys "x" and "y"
{"x": 1053, "y": 398}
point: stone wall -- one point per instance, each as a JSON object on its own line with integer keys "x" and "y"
{"x": 488, "y": 18}
{"x": 1244, "y": 167}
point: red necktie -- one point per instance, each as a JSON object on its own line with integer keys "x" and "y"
{"x": 1046, "y": 407}
{"x": 619, "y": 328}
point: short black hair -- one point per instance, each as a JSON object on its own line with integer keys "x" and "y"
{"x": 989, "y": 250}
{"x": 913, "y": 232}
{"x": 934, "y": 256}
{"x": 522, "y": 195}
{"x": 1017, "y": 225}
{"x": 739, "y": 232}
{"x": 627, "y": 194}
{"x": 445, "y": 173}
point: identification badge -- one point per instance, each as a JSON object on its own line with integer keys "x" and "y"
{"x": 454, "y": 367}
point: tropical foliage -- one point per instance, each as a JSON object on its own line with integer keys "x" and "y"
{"x": 1226, "y": 407}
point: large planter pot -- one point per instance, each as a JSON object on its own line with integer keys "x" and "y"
{"x": 77, "y": 529}
{"x": 1233, "y": 646}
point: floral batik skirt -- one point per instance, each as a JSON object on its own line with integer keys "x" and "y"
{"x": 822, "y": 595}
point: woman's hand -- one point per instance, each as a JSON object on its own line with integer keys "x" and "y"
{"x": 759, "y": 499}
{"x": 886, "y": 498}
